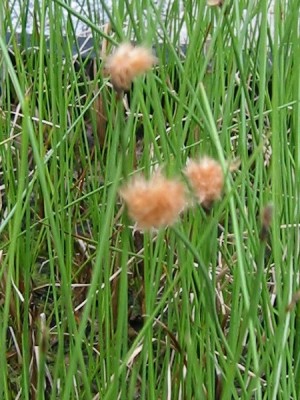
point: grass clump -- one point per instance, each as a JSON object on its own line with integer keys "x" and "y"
{"x": 207, "y": 306}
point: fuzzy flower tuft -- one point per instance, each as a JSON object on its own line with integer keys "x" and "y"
{"x": 154, "y": 203}
{"x": 213, "y": 3}
{"x": 126, "y": 63}
{"x": 206, "y": 178}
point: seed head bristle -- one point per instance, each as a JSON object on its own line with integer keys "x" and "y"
{"x": 206, "y": 179}
{"x": 154, "y": 203}
{"x": 126, "y": 63}
{"x": 214, "y": 3}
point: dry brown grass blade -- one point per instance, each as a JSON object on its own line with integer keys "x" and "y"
{"x": 101, "y": 119}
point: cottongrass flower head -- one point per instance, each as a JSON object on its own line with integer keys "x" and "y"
{"x": 213, "y": 3}
{"x": 126, "y": 63}
{"x": 206, "y": 179}
{"x": 154, "y": 203}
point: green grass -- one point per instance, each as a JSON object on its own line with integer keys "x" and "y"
{"x": 91, "y": 309}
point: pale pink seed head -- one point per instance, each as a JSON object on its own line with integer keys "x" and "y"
{"x": 206, "y": 179}
{"x": 126, "y": 63}
{"x": 213, "y": 3}
{"x": 154, "y": 203}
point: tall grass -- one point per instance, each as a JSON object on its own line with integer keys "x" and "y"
{"x": 90, "y": 308}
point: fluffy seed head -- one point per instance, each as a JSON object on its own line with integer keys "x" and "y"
{"x": 126, "y": 63}
{"x": 213, "y": 3}
{"x": 154, "y": 203}
{"x": 206, "y": 179}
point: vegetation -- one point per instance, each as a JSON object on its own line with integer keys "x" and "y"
{"x": 90, "y": 306}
